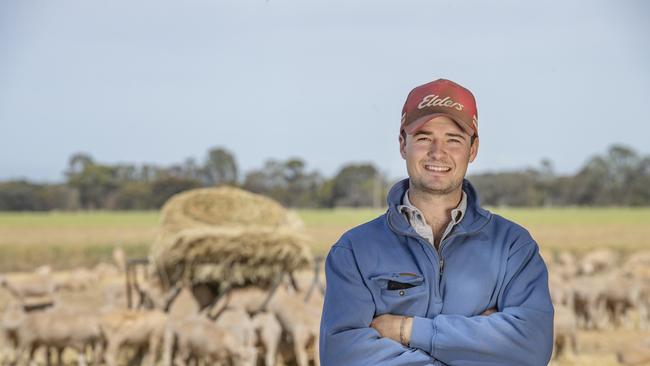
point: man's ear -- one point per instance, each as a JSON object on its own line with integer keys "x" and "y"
{"x": 402, "y": 145}
{"x": 473, "y": 150}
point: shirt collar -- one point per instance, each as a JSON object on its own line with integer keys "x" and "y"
{"x": 413, "y": 212}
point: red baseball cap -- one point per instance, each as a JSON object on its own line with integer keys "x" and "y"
{"x": 440, "y": 98}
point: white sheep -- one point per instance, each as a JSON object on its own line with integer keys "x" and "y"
{"x": 139, "y": 329}
{"x": 29, "y": 288}
{"x": 269, "y": 334}
{"x": 54, "y": 328}
{"x": 201, "y": 338}
{"x": 299, "y": 319}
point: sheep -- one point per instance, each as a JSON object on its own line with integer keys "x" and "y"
{"x": 200, "y": 337}
{"x": 140, "y": 329}
{"x": 53, "y": 328}
{"x": 114, "y": 293}
{"x": 184, "y": 317}
{"x": 183, "y": 306}
{"x": 78, "y": 279}
{"x": 635, "y": 354}
{"x": 269, "y": 333}
{"x": 240, "y": 324}
{"x": 11, "y": 319}
{"x": 300, "y": 320}
{"x": 619, "y": 294}
{"x": 30, "y": 289}
{"x": 565, "y": 264}
{"x": 119, "y": 257}
{"x": 302, "y": 323}
{"x": 106, "y": 271}
{"x": 599, "y": 260}
{"x": 561, "y": 290}
{"x": 585, "y": 294}
{"x": 565, "y": 333}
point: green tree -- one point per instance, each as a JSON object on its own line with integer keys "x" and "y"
{"x": 134, "y": 196}
{"x": 219, "y": 168}
{"x": 357, "y": 185}
{"x": 165, "y": 187}
{"x": 94, "y": 182}
{"x": 287, "y": 182}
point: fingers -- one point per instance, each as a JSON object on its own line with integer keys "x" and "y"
{"x": 489, "y": 311}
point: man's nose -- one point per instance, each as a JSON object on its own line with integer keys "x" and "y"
{"x": 436, "y": 150}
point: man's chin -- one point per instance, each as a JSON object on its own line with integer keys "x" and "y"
{"x": 436, "y": 189}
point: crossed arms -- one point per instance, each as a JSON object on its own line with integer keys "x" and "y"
{"x": 520, "y": 333}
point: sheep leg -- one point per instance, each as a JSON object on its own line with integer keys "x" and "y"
{"x": 81, "y": 357}
{"x": 574, "y": 343}
{"x": 643, "y": 316}
{"x": 59, "y": 356}
{"x": 112, "y": 352}
{"x": 299, "y": 350}
{"x": 8, "y": 356}
{"x": 168, "y": 347}
{"x": 183, "y": 355}
{"x": 47, "y": 354}
{"x": 30, "y": 356}
{"x": 19, "y": 355}
{"x": 271, "y": 351}
{"x": 97, "y": 349}
{"x": 137, "y": 358}
{"x": 316, "y": 350}
{"x": 154, "y": 349}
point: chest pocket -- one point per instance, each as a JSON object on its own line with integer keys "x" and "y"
{"x": 400, "y": 293}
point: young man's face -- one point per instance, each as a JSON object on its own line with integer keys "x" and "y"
{"x": 437, "y": 155}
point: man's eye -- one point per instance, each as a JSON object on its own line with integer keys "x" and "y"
{"x": 422, "y": 138}
{"x": 454, "y": 140}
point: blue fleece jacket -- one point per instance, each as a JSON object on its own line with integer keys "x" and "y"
{"x": 485, "y": 262}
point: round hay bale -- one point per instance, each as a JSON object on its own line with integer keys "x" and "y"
{"x": 223, "y": 206}
{"x": 231, "y": 256}
{"x": 227, "y": 236}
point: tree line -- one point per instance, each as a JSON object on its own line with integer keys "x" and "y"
{"x": 619, "y": 177}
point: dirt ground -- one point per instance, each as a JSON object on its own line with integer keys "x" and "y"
{"x": 596, "y": 348}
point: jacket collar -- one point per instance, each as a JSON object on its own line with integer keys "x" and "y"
{"x": 474, "y": 219}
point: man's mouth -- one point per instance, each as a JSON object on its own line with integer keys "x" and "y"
{"x": 437, "y": 168}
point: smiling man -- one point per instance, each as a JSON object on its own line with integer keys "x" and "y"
{"x": 436, "y": 280}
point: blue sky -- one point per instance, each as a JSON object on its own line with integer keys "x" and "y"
{"x": 161, "y": 81}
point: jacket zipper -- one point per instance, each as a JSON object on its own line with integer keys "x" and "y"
{"x": 438, "y": 253}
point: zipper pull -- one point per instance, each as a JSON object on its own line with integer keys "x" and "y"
{"x": 442, "y": 266}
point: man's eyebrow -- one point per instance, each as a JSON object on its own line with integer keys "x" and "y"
{"x": 455, "y": 135}
{"x": 428, "y": 133}
{"x": 423, "y": 132}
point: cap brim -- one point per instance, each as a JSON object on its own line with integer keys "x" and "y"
{"x": 414, "y": 126}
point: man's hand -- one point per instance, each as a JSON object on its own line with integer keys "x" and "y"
{"x": 388, "y": 326}
{"x": 489, "y": 311}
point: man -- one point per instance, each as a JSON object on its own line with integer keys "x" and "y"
{"x": 437, "y": 279}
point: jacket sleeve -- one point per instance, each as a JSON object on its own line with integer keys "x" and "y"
{"x": 346, "y": 337}
{"x": 520, "y": 333}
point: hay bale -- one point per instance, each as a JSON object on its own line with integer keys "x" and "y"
{"x": 231, "y": 256}
{"x": 226, "y": 236}
{"x": 223, "y": 206}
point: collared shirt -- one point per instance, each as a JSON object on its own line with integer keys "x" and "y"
{"x": 419, "y": 223}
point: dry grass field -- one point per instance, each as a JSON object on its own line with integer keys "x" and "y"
{"x": 71, "y": 239}
{"x": 67, "y": 240}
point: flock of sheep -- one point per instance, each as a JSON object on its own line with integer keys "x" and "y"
{"x": 248, "y": 326}
{"x": 601, "y": 290}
